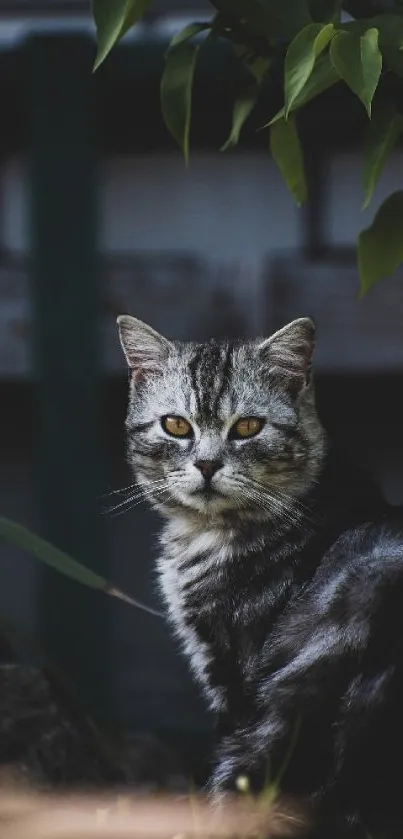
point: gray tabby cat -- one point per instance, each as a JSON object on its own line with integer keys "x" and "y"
{"x": 286, "y": 603}
{"x": 218, "y": 478}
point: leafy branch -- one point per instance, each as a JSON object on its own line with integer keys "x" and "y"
{"x": 320, "y": 43}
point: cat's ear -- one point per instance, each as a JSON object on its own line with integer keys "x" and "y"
{"x": 145, "y": 349}
{"x": 288, "y": 353}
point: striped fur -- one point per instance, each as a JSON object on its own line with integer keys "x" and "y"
{"x": 273, "y": 582}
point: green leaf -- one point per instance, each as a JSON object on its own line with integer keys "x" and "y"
{"x": 300, "y": 59}
{"x": 389, "y": 26}
{"x": 358, "y": 62}
{"x": 322, "y": 77}
{"x": 23, "y": 538}
{"x": 371, "y": 61}
{"x": 243, "y": 107}
{"x": 286, "y": 151}
{"x": 380, "y": 246}
{"x": 258, "y": 66}
{"x": 189, "y": 32}
{"x": 177, "y": 83}
{"x": 113, "y": 18}
{"x": 325, "y": 11}
{"x": 383, "y": 132}
{"x": 245, "y": 103}
{"x": 176, "y": 92}
{"x": 19, "y": 536}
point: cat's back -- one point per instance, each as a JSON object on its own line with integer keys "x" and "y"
{"x": 363, "y": 567}
{"x": 361, "y": 600}
{"x": 353, "y": 606}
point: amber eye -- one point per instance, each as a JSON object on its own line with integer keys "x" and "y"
{"x": 246, "y": 427}
{"x": 177, "y": 426}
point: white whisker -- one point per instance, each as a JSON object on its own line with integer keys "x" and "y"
{"x": 288, "y": 502}
{"x": 138, "y": 497}
{"x": 127, "y": 489}
{"x": 268, "y": 502}
{"x": 119, "y": 491}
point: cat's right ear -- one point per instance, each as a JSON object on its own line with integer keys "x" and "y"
{"x": 145, "y": 349}
{"x": 288, "y": 353}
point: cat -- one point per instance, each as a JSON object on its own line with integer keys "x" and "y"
{"x": 281, "y": 568}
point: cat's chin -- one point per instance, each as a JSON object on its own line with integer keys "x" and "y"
{"x": 208, "y": 502}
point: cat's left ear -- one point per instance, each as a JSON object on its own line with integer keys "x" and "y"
{"x": 289, "y": 352}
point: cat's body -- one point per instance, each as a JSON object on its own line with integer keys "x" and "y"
{"x": 286, "y": 594}
{"x": 221, "y": 593}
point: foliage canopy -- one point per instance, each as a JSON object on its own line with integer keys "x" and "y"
{"x": 318, "y": 44}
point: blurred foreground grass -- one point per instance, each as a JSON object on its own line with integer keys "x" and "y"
{"x": 32, "y": 815}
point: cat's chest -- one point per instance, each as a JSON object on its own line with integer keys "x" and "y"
{"x": 221, "y": 606}
{"x": 194, "y": 579}
{"x": 208, "y": 585}
{"x": 194, "y": 582}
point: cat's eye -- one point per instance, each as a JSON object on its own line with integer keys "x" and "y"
{"x": 177, "y": 426}
{"x": 246, "y": 427}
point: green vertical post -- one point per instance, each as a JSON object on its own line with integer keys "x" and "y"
{"x": 66, "y": 310}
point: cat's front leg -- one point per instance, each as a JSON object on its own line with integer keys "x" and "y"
{"x": 232, "y": 765}
{"x": 244, "y": 757}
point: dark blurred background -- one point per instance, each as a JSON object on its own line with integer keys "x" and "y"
{"x": 99, "y": 216}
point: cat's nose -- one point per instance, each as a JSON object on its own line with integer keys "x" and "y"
{"x": 208, "y": 468}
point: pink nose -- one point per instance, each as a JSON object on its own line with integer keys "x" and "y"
{"x": 208, "y": 468}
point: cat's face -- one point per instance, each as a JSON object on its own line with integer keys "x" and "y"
{"x": 214, "y": 428}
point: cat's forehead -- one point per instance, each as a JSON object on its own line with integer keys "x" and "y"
{"x": 216, "y": 380}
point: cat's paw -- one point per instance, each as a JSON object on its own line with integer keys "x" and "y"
{"x": 237, "y": 769}
{"x": 221, "y": 782}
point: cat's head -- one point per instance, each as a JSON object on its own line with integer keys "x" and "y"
{"x": 221, "y": 428}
